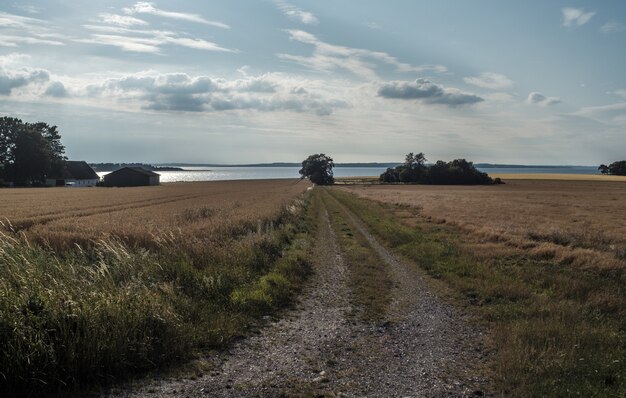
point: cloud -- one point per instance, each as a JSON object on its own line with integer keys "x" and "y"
{"x": 612, "y": 27}
{"x": 537, "y": 98}
{"x": 181, "y": 92}
{"x": 296, "y": 13}
{"x": 329, "y": 58}
{"x": 145, "y": 41}
{"x": 29, "y": 8}
{"x": 12, "y": 79}
{"x": 121, "y": 20}
{"x": 56, "y": 89}
{"x": 144, "y": 7}
{"x": 19, "y": 30}
{"x": 613, "y": 113}
{"x": 427, "y": 92}
{"x": 576, "y": 16}
{"x": 494, "y": 81}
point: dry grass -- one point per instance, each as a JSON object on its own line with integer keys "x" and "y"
{"x": 541, "y": 262}
{"x": 144, "y": 215}
{"x": 578, "y": 223}
{"x": 97, "y": 284}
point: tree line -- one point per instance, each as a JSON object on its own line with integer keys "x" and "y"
{"x": 456, "y": 172}
{"x": 29, "y": 152}
{"x": 616, "y": 168}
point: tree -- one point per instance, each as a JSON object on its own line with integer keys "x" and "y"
{"x": 318, "y": 169}
{"x": 414, "y": 170}
{"x": 618, "y": 168}
{"x": 604, "y": 169}
{"x": 29, "y": 152}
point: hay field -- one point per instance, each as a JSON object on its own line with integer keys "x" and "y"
{"x": 143, "y": 215}
{"x": 580, "y": 223}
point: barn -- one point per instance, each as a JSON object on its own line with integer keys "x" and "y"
{"x": 74, "y": 174}
{"x": 131, "y": 177}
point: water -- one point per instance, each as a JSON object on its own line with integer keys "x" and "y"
{"x": 257, "y": 173}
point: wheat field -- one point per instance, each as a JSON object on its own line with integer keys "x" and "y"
{"x": 62, "y": 217}
{"x": 580, "y": 223}
{"x": 98, "y": 284}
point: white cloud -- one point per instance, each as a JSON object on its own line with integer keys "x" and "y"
{"x": 125, "y": 43}
{"x": 427, "y": 92}
{"x": 296, "y": 13}
{"x": 19, "y": 30}
{"x": 576, "y": 16}
{"x": 29, "y": 8}
{"x": 329, "y": 57}
{"x": 181, "y": 92}
{"x": 612, "y": 27}
{"x": 494, "y": 81}
{"x": 144, "y": 7}
{"x": 11, "y": 79}
{"x": 614, "y": 113}
{"x": 121, "y": 20}
{"x": 537, "y": 98}
{"x": 145, "y": 41}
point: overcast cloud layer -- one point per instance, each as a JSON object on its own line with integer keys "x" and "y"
{"x": 242, "y": 82}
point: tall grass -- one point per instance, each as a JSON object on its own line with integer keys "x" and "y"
{"x": 557, "y": 330}
{"x": 99, "y": 313}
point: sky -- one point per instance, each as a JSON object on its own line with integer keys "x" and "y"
{"x": 248, "y": 81}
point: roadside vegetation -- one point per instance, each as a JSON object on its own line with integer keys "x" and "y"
{"x": 557, "y": 328}
{"x": 369, "y": 279}
{"x": 84, "y": 312}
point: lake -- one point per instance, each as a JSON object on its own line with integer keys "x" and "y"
{"x": 257, "y": 173}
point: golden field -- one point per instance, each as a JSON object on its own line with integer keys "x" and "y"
{"x": 542, "y": 263}
{"x": 142, "y": 215}
{"x": 98, "y": 284}
{"x": 577, "y": 222}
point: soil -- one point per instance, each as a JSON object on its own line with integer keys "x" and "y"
{"x": 320, "y": 348}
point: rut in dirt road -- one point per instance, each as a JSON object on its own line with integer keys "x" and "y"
{"x": 321, "y": 348}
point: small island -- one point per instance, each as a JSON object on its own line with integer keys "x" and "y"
{"x": 104, "y": 167}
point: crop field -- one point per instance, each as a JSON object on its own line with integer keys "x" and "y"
{"x": 143, "y": 215}
{"x": 97, "y": 284}
{"x": 576, "y": 222}
{"x": 542, "y": 263}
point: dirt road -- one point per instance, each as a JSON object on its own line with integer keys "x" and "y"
{"x": 425, "y": 348}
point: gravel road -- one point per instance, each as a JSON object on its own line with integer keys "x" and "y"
{"x": 319, "y": 348}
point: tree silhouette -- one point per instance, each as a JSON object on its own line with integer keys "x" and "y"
{"x": 29, "y": 152}
{"x": 318, "y": 169}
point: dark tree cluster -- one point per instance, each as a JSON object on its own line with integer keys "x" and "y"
{"x": 29, "y": 152}
{"x": 616, "y": 168}
{"x": 456, "y": 172}
{"x": 318, "y": 169}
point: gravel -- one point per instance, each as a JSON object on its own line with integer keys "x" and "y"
{"x": 320, "y": 348}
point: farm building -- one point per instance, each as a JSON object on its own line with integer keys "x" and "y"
{"x": 131, "y": 177}
{"x": 74, "y": 174}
